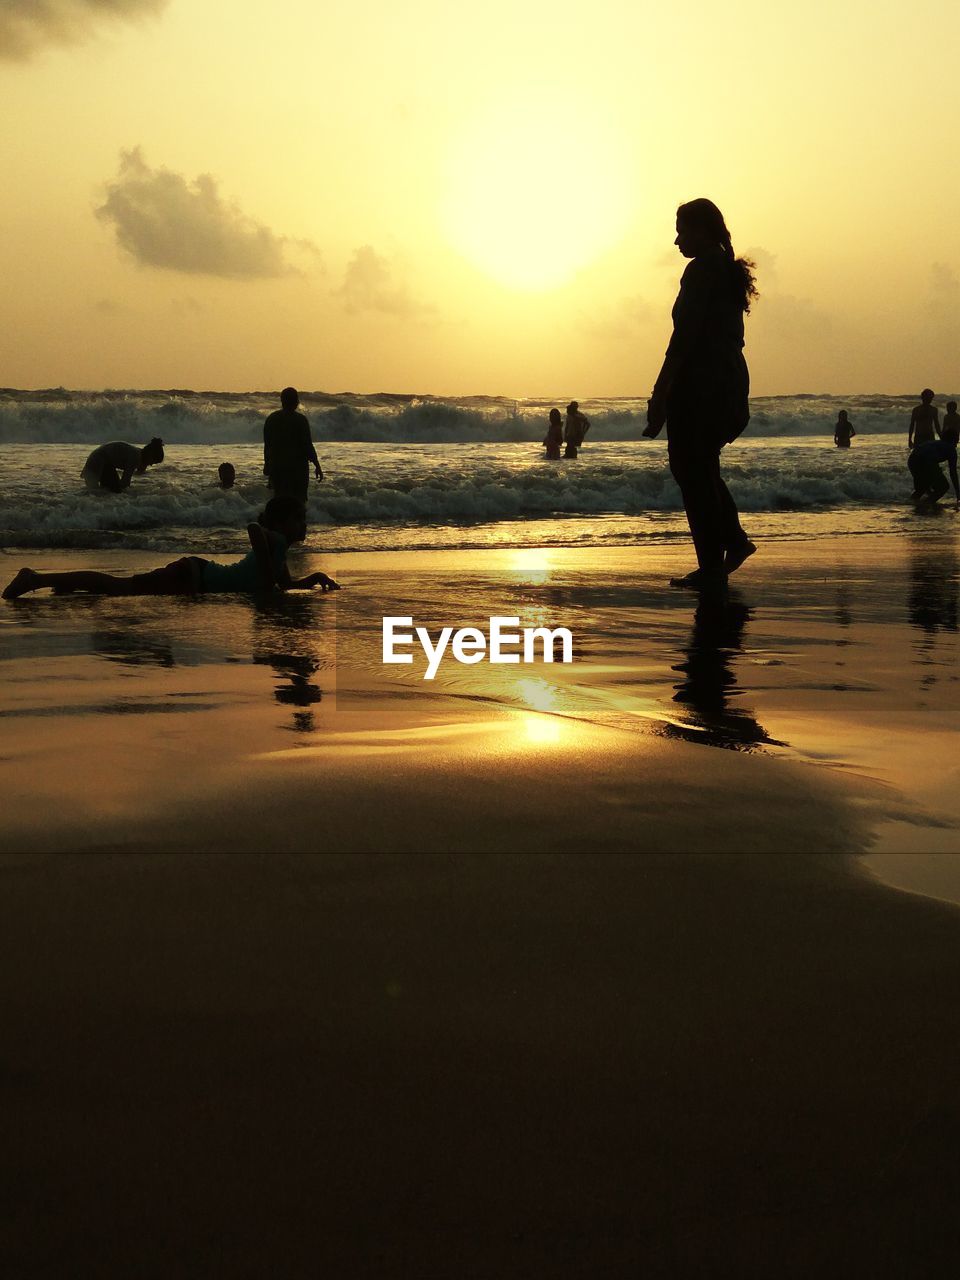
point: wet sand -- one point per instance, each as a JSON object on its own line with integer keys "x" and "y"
{"x": 816, "y": 711}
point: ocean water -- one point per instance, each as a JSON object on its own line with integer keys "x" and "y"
{"x": 419, "y": 472}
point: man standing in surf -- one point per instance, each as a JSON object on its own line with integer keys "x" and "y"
{"x": 288, "y": 449}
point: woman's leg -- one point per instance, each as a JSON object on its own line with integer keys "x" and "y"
{"x": 939, "y": 486}
{"x": 110, "y": 479}
{"x": 104, "y": 584}
{"x": 179, "y": 578}
{"x": 696, "y": 470}
{"x": 733, "y": 534}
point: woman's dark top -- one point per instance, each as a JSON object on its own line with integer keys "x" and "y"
{"x": 704, "y": 379}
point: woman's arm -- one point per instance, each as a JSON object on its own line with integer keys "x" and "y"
{"x": 312, "y": 580}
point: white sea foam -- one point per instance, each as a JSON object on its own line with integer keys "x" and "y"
{"x": 402, "y": 494}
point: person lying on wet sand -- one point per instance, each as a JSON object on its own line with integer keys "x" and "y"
{"x": 264, "y": 567}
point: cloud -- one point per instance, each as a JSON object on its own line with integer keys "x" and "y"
{"x": 26, "y": 26}
{"x": 370, "y": 284}
{"x": 164, "y": 221}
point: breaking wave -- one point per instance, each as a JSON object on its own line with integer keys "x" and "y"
{"x": 405, "y": 485}
{"x": 181, "y": 416}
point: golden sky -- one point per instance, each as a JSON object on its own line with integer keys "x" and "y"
{"x": 415, "y": 195}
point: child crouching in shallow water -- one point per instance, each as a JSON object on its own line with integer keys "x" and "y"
{"x": 263, "y": 568}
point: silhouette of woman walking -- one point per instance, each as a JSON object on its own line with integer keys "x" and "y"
{"x": 701, "y": 393}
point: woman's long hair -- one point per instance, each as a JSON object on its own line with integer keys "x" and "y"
{"x": 704, "y": 216}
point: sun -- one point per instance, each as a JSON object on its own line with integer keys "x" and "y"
{"x": 539, "y": 187}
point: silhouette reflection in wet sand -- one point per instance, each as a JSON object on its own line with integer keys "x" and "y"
{"x": 932, "y": 601}
{"x": 709, "y": 680}
{"x": 843, "y": 613}
{"x": 934, "y": 575}
{"x": 285, "y": 640}
{"x": 130, "y": 648}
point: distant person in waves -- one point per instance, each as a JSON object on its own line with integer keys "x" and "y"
{"x": 701, "y": 393}
{"x": 227, "y": 473}
{"x": 843, "y": 432}
{"x": 263, "y": 568}
{"x": 112, "y": 466}
{"x": 554, "y": 437}
{"x": 288, "y": 449}
{"x": 924, "y": 421}
{"x": 929, "y": 482}
{"x": 575, "y": 428}
{"x": 951, "y": 423}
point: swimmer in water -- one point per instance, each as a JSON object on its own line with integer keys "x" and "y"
{"x": 843, "y": 432}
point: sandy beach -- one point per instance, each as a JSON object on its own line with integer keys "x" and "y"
{"x": 474, "y": 1066}
{"x": 313, "y": 966}
{"x": 815, "y": 711}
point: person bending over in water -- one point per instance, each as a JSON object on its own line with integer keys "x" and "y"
{"x": 843, "y": 432}
{"x": 228, "y": 475}
{"x": 554, "y": 437}
{"x": 924, "y": 463}
{"x": 575, "y": 429}
{"x": 702, "y": 390}
{"x": 263, "y": 568}
{"x": 112, "y": 466}
{"x": 951, "y": 423}
{"x": 924, "y": 421}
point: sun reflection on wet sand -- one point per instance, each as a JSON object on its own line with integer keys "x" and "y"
{"x": 759, "y": 676}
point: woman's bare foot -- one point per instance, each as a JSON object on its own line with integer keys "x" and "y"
{"x": 713, "y": 581}
{"x": 735, "y": 557}
{"x": 26, "y": 580}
